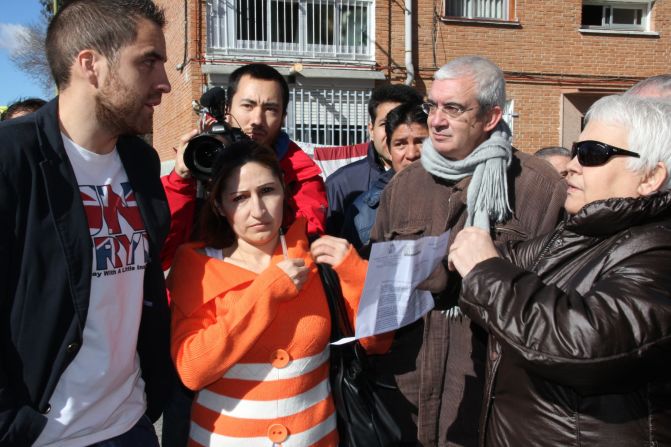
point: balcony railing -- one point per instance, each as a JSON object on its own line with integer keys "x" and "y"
{"x": 328, "y": 30}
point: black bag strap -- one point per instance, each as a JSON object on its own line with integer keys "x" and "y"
{"x": 340, "y": 324}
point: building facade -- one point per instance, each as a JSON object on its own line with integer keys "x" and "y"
{"x": 558, "y": 57}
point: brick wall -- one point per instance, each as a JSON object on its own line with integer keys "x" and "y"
{"x": 543, "y": 57}
{"x": 175, "y": 117}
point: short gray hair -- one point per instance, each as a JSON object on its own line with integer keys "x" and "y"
{"x": 552, "y": 151}
{"x": 488, "y": 77}
{"x": 648, "y": 126}
{"x": 655, "y": 86}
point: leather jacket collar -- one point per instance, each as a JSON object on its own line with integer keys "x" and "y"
{"x": 606, "y": 217}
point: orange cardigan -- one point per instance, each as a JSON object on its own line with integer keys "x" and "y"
{"x": 256, "y": 348}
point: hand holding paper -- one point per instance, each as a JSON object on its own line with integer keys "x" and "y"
{"x": 390, "y": 298}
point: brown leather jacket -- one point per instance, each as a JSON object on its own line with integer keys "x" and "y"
{"x": 583, "y": 323}
{"x": 438, "y": 363}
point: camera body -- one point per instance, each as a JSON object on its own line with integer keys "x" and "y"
{"x": 203, "y": 149}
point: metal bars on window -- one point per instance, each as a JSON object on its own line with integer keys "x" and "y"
{"x": 477, "y": 9}
{"x": 317, "y": 29}
{"x": 328, "y": 116}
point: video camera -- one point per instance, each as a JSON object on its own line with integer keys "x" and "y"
{"x": 203, "y": 149}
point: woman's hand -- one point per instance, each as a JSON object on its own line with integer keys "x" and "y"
{"x": 470, "y": 247}
{"x": 329, "y": 250}
{"x": 296, "y": 270}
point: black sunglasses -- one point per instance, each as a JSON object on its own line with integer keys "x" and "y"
{"x": 596, "y": 153}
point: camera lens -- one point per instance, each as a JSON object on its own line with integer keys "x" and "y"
{"x": 202, "y": 150}
{"x": 200, "y": 154}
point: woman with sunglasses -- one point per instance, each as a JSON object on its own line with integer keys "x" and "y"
{"x": 250, "y": 322}
{"x": 580, "y": 320}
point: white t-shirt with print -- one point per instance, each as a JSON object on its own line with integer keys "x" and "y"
{"x": 101, "y": 393}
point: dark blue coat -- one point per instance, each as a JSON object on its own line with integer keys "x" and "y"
{"x": 360, "y": 216}
{"x": 45, "y": 270}
{"x": 345, "y": 185}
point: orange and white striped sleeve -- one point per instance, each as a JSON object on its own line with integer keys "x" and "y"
{"x": 208, "y": 340}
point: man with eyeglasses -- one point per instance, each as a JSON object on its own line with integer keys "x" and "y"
{"x": 469, "y": 175}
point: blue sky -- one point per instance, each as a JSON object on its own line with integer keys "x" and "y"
{"x": 14, "y": 14}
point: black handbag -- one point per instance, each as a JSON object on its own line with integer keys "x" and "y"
{"x": 363, "y": 418}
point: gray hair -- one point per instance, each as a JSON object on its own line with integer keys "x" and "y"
{"x": 552, "y": 151}
{"x": 655, "y": 86}
{"x": 488, "y": 77}
{"x": 648, "y": 124}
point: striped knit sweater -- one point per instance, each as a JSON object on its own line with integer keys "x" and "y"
{"x": 256, "y": 349}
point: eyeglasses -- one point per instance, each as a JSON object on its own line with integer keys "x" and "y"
{"x": 596, "y": 153}
{"x": 450, "y": 109}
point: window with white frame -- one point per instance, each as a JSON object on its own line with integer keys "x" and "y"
{"x": 479, "y": 9}
{"x": 616, "y": 15}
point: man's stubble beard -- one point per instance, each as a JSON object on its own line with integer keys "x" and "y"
{"x": 117, "y": 108}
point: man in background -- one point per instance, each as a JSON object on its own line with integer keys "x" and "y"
{"x": 22, "y": 107}
{"x": 256, "y": 102}
{"x": 653, "y": 87}
{"x": 344, "y": 185}
{"x": 557, "y": 156}
{"x": 405, "y": 130}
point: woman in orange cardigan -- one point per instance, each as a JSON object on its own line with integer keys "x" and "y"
{"x": 251, "y": 323}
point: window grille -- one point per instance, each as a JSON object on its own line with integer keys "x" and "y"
{"x": 328, "y": 116}
{"x": 290, "y": 29}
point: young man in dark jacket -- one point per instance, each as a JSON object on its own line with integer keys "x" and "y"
{"x": 84, "y": 346}
{"x": 406, "y": 130}
{"x": 345, "y": 185}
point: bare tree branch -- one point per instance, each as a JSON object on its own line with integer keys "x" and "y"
{"x": 30, "y": 57}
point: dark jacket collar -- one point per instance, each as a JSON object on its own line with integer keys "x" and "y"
{"x": 372, "y": 196}
{"x": 49, "y": 131}
{"x": 606, "y": 217}
{"x": 373, "y": 158}
{"x": 66, "y": 206}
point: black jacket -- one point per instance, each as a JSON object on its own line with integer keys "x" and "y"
{"x": 45, "y": 268}
{"x": 582, "y": 318}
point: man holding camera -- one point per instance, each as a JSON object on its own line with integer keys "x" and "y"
{"x": 256, "y": 102}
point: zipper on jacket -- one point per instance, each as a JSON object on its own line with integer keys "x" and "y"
{"x": 547, "y": 247}
{"x": 489, "y": 390}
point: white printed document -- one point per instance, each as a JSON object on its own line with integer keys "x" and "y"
{"x": 390, "y": 299}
